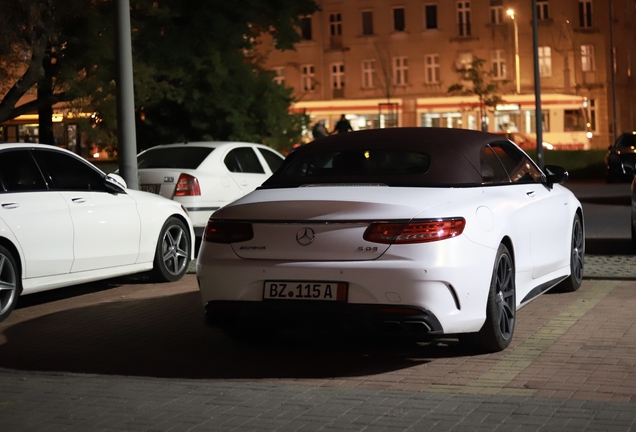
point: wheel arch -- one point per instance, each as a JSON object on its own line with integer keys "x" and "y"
{"x": 507, "y": 241}
{"x": 579, "y": 212}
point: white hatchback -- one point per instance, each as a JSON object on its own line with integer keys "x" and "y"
{"x": 205, "y": 176}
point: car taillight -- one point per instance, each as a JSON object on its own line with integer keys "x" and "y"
{"x": 227, "y": 232}
{"x": 423, "y": 231}
{"x": 187, "y": 185}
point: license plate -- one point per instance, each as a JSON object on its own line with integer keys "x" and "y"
{"x": 297, "y": 290}
{"x": 150, "y": 188}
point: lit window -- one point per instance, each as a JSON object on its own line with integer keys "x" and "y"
{"x": 587, "y": 58}
{"x": 545, "y": 61}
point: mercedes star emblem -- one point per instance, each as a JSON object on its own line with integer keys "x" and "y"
{"x": 305, "y": 236}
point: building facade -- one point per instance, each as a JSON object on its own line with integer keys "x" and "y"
{"x": 384, "y": 63}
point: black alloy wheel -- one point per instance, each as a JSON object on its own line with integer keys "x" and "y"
{"x": 9, "y": 283}
{"x": 577, "y": 258}
{"x": 498, "y": 329}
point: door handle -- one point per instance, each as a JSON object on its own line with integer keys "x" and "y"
{"x": 78, "y": 200}
{"x": 531, "y": 193}
{"x": 10, "y": 205}
{"x": 244, "y": 183}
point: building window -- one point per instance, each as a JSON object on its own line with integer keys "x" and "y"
{"x": 279, "y": 75}
{"x": 305, "y": 28}
{"x": 574, "y": 120}
{"x": 337, "y": 75}
{"x": 463, "y": 18}
{"x": 368, "y": 73}
{"x": 496, "y": 11}
{"x": 591, "y": 111}
{"x": 530, "y": 117}
{"x": 430, "y": 17}
{"x": 307, "y": 77}
{"x": 398, "y": 19}
{"x": 400, "y": 70}
{"x": 587, "y": 58}
{"x": 367, "y": 23}
{"x": 431, "y": 62}
{"x": 335, "y": 24}
{"x": 542, "y": 10}
{"x": 585, "y": 13}
{"x": 498, "y": 64}
{"x": 545, "y": 61}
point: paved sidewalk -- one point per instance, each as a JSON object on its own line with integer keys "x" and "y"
{"x": 610, "y": 267}
{"x": 137, "y": 357}
{"x": 39, "y": 402}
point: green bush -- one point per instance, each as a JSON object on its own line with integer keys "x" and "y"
{"x": 580, "y": 164}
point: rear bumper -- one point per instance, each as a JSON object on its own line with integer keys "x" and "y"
{"x": 449, "y": 280}
{"x": 379, "y": 319}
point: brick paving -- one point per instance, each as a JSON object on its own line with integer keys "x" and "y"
{"x": 136, "y": 356}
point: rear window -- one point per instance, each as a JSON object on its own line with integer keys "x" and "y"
{"x": 354, "y": 165}
{"x": 173, "y": 157}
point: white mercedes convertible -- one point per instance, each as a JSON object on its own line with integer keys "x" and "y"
{"x": 406, "y": 231}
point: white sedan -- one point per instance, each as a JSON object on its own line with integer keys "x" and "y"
{"x": 409, "y": 231}
{"x": 64, "y": 222}
{"x": 205, "y": 176}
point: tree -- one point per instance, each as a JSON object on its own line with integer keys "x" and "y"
{"x": 478, "y": 82}
{"x": 196, "y": 77}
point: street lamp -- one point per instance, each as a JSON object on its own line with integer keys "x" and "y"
{"x": 511, "y": 13}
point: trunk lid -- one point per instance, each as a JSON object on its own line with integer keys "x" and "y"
{"x": 327, "y": 223}
{"x": 160, "y": 181}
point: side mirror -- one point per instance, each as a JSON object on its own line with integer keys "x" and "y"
{"x": 555, "y": 175}
{"x": 115, "y": 183}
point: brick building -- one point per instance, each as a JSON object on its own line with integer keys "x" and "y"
{"x": 388, "y": 62}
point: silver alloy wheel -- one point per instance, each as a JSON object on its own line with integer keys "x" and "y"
{"x": 7, "y": 284}
{"x": 174, "y": 249}
{"x": 505, "y": 296}
{"x": 578, "y": 250}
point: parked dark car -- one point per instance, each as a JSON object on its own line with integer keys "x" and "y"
{"x": 621, "y": 158}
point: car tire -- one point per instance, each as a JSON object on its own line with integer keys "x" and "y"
{"x": 10, "y": 283}
{"x": 172, "y": 255}
{"x": 498, "y": 329}
{"x": 577, "y": 258}
{"x": 633, "y": 234}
